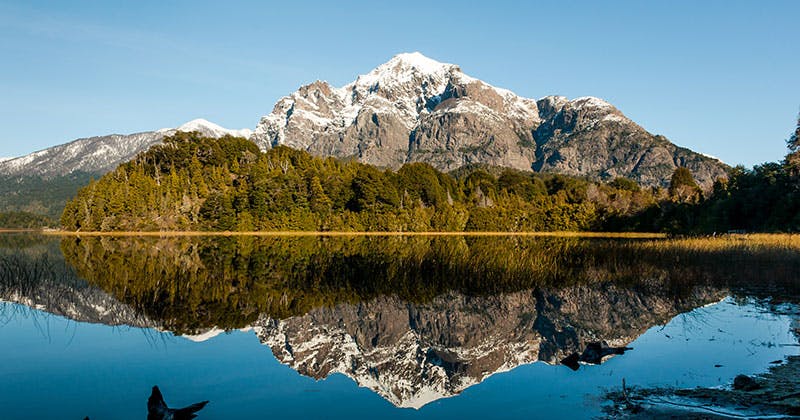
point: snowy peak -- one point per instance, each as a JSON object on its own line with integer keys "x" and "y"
{"x": 416, "y": 109}
{"x": 374, "y": 116}
{"x": 406, "y": 85}
{"x": 199, "y": 124}
{"x": 417, "y": 61}
{"x": 404, "y": 68}
{"x": 209, "y": 128}
{"x": 590, "y": 101}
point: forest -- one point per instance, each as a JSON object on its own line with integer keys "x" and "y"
{"x": 24, "y": 220}
{"x": 195, "y": 183}
{"x": 40, "y": 196}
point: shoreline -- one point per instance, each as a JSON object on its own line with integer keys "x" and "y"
{"x": 623, "y": 235}
{"x": 755, "y": 237}
{"x": 775, "y": 396}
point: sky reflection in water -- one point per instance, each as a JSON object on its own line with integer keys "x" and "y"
{"x": 416, "y": 319}
{"x": 56, "y": 368}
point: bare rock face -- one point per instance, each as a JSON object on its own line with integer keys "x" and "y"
{"x": 590, "y": 137}
{"x": 414, "y": 109}
{"x": 413, "y": 354}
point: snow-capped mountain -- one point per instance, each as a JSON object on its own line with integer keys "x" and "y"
{"x": 413, "y": 108}
{"x": 103, "y": 153}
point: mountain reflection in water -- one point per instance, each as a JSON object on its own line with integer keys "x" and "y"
{"x": 414, "y": 319}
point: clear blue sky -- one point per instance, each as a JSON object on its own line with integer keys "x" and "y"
{"x": 720, "y": 77}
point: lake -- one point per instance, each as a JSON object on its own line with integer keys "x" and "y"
{"x": 383, "y": 327}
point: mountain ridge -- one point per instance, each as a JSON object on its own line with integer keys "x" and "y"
{"x": 415, "y": 109}
{"x": 100, "y": 154}
{"x": 41, "y": 182}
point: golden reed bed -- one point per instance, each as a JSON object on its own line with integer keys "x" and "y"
{"x": 657, "y": 240}
{"x": 634, "y": 235}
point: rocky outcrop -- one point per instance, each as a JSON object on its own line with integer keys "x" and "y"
{"x": 414, "y": 109}
{"x": 589, "y": 137}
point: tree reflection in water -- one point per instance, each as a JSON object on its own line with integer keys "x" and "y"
{"x": 413, "y": 318}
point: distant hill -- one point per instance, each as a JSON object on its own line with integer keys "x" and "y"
{"x": 43, "y": 181}
{"x": 101, "y": 154}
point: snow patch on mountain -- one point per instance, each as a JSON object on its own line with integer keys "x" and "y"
{"x": 205, "y": 126}
{"x": 710, "y": 156}
{"x": 103, "y": 153}
{"x": 590, "y": 101}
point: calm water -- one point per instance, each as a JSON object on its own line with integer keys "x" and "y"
{"x": 374, "y": 327}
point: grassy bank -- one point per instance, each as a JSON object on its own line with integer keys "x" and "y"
{"x": 622, "y": 235}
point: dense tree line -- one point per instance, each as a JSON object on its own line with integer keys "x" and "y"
{"x": 228, "y": 184}
{"x": 24, "y": 220}
{"x": 41, "y": 196}
{"x": 763, "y": 199}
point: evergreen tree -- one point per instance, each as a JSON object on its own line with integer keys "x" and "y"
{"x": 793, "y": 158}
{"x": 682, "y": 186}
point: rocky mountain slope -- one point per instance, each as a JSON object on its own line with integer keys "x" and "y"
{"x": 98, "y": 155}
{"x": 415, "y": 109}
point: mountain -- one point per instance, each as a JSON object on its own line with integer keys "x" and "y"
{"x": 43, "y": 181}
{"x": 98, "y": 155}
{"x": 415, "y": 109}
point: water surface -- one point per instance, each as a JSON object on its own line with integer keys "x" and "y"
{"x": 380, "y": 327}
